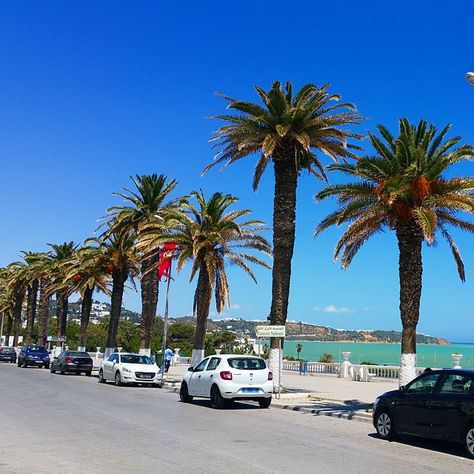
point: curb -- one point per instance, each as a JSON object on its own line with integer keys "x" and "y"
{"x": 352, "y": 415}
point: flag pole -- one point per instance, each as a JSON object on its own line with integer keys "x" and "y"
{"x": 165, "y": 323}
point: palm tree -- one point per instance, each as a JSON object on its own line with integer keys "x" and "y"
{"x": 403, "y": 188}
{"x": 287, "y": 130}
{"x": 16, "y": 282}
{"x": 61, "y": 253}
{"x": 39, "y": 267}
{"x": 86, "y": 272}
{"x": 146, "y": 205}
{"x": 209, "y": 235}
{"x": 7, "y": 303}
{"x": 117, "y": 254}
{"x": 32, "y": 296}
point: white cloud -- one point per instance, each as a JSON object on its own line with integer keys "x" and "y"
{"x": 331, "y": 309}
{"x": 235, "y": 306}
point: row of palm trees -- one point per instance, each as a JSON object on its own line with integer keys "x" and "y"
{"x": 207, "y": 233}
{"x": 403, "y": 186}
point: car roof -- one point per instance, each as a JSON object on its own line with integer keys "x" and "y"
{"x": 450, "y": 370}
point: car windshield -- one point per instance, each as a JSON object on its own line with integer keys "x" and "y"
{"x": 7, "y": 349}
{"x": 247, "y": 363}
{"x": 77, "y": 354}
{"x": 37, "y": 349}
{"x": 135, "y": 359}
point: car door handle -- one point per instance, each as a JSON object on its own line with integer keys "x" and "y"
{"x": 199, "y": 376}
{"x": 211, "y": 376}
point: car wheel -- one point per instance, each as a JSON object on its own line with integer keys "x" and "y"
{"x": 51, "y": 369}
{"x": 384, "y": 425}
{"x": 18, "y": 364}
{"x": 265, "y": 402}
{"x": 61, "y": 370}
{"x": 469, "y": 441}
{"x": 216, "y": 398}
{"x": 118, "y": 379}
{"x": 101, "y": 377}
{"x": 46, "y": 366}
{"x": 184, "y": 393}
{"x": 88, "y": 373}
{"x": 25, "y": 365}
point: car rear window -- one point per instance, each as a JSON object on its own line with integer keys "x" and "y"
{"x": 247, "y": 363}
{"x": 7, "y": 349}
{"x": 78, "y": 354}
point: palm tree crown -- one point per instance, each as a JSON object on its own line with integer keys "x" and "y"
{"x": 402, "y": 185}
{"x": 287, "y": 127}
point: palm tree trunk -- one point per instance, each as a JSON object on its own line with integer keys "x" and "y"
{"x": 202, "y": 303}
{"x": 43, "y": 311}
{"x": 20, "y": 296}
{"x": 86, "y": 308}
{"x": 8, "y": 328}
{"x": 149, "y": 290}
{"x": 119, "y": 278}
{"x": 284, "y": 214}
{"x": 410, "y": 239}
{"x": 31, "y": 309}
{"x": 62, "y": 308}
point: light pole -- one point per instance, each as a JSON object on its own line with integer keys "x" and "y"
{"x": 470, "y": 77}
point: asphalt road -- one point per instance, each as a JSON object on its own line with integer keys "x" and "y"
{"x": 71, "y": 424}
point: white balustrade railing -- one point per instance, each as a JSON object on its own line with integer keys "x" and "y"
{"x": 390, "y": 372}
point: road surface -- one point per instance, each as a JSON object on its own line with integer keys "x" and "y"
{"x": 72, "y": 424}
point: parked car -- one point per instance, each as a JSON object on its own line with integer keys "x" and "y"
{"x": 128, "y": 368}
{"x": 229, "y": 377}
{"x": 8, "y": 354}
{"x": 34, "y": 355}
{"x": 72, "y": 361}
{"x": 437, "y": 404}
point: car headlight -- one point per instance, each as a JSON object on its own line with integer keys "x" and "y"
{"x": 377, "y": 400}
{"x": 128, "y": 371}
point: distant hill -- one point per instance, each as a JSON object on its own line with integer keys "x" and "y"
{"x": 295, "y": 331}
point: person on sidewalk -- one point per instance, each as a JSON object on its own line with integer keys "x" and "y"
{"x": 168, "y": 357}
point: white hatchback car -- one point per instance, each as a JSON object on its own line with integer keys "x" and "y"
{"x": 229, "y": 377}
{"x": 125, "y": 368}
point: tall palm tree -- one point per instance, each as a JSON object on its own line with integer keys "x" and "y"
{"x": 404, "y": 188}
{"x": 86, "y": 272}
{"x": 32, "y": 296}
{"x": 117, "y": 254}
{"x": 40, "y": 267}
{"x": 7, "y": 303}
{"x": 210, "y": 235}
{"x": 16, "y": 282}
{"x": 61, "y": 253}
{"x": 287, "y": 130}
{"x": 147, "y": 204}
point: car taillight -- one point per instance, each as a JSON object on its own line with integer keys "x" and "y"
{"x": 270, "y": 375}
{"x": 226, "y": 375}
{"x": 69, "y": 360}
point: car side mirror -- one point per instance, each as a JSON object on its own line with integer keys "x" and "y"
{"x": 403, "y": 388}
{"x": 190, "y": 369}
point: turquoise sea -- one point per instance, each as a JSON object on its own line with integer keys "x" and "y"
{"x": 427, "y": 355}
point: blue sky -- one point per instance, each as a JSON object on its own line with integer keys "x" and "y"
{"x": 92, "y": 92}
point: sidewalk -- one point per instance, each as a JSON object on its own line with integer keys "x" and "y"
{"x": 318, "y": 394}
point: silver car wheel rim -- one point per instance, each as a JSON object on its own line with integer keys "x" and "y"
{"x": 384, "y": 424}
{"x": 470, "y": 440}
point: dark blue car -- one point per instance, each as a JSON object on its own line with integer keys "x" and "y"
{"x": 437, "y": 404}
{"x": 33, "y": 355}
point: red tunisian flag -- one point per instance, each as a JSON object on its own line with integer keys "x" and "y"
{"x": 166, "y": 256}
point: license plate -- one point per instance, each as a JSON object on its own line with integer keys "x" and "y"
{"x": 250, "y": 390}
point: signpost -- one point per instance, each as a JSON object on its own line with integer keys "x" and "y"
{"x": 268, "y": 332}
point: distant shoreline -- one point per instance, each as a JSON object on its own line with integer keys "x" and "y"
{"x": 291, "y": 338}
